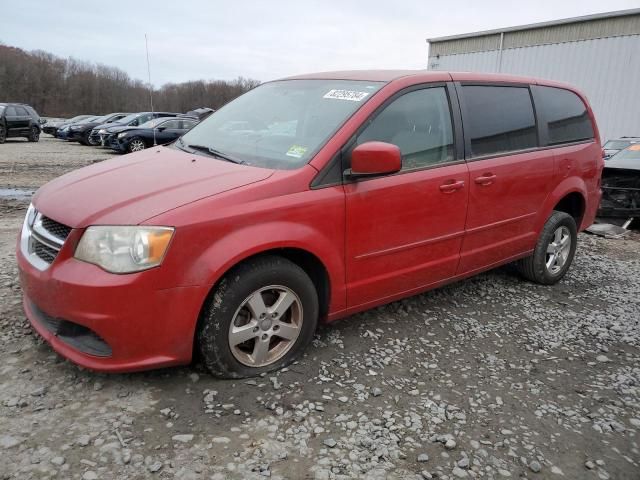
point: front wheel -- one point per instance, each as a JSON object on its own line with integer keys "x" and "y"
{"x": 554, "y": 251}
{"x": 135, "y": 145}
{"x": 261, "y": 317}
{"x": 3, "y": 134}
{"x": 34, "y": 134}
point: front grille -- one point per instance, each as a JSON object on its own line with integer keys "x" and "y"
{"x": 44, "y": 252}
{"x": 56, "y": 229}
{"x": 77, "y": 336}
{"x": 42, "y": 239}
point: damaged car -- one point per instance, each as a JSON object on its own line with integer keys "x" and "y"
{"x": 621, "y": 185}
{"x": 616, "y": 145}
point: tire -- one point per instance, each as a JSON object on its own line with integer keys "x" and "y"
{"x": 3, "y": 134}
{"x": 34, "y": 134}
{"x": 233, "y": 313}
{"x": 559, "y": 237}
{"x": 84, "y": 140}
{"x": 91, "y": 142}
{"x": 136, "y": 144}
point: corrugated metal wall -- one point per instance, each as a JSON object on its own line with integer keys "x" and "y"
{"x": 606, "y": 69}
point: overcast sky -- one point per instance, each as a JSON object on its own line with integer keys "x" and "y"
{"x": 199, "y": 39}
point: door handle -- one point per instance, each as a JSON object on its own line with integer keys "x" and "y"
{"x": 451, "y": 186}
{"x": 486, "y": 179}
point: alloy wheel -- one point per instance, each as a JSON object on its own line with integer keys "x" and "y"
{"x": 265, "y": 326}
{"x": 558, "y": 250}
{"x": 136, "y": 145}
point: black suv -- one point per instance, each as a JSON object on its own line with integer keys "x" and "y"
{"x": 19, "y": 120}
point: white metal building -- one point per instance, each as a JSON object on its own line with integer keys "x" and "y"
{"x": 600, "y": 54}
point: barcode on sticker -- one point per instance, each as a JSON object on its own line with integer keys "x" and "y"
{"x": 351, "y": 95}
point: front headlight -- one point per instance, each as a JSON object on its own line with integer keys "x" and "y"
{"x": 124, "y": 249}
{"x": 102, "y": 130}
{"x": 120, "y": 135}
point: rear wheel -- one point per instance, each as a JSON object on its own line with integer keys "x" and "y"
{"x": 135, "y": 145}
{"x": 34, "y": 134}
{"x": 554, "y": 251}
{"x": 92, "y": 141}
{"x": 260, "y": 318}
{"x": 3, "y": 134}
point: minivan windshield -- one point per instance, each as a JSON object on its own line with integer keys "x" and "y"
{"x": 279, "y": 124}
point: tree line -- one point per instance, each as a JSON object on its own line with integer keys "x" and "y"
{"x": 65, "y": 87}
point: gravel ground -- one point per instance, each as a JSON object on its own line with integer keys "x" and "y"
{"x": 492, "y": 377}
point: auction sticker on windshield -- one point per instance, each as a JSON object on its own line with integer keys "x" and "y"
{"x": 350, "y": 95}
{"x": 296, "y": 151}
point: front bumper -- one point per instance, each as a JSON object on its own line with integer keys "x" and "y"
{"x": 74, "y": 136}
{"x": 117, "y": 144}
{"x": 107, "y": 322}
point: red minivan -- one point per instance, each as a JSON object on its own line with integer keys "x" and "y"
{"x": 306, "y": 200}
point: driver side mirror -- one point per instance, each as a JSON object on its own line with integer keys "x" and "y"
{"x": 372, "y": 159}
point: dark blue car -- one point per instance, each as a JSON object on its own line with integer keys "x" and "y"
{"x": 99, "y": 132}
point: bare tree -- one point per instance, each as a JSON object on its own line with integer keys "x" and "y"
{"x": 61, "y": 87}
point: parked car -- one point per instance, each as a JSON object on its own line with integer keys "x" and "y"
{"x": 621, "y": 185}
{"x": 611, "y": 147}
{"x": 52, "y": 127}
{"x": 63, "y": 132}
{"x": 100, "y": 132}
{"x": 341, "y": 192}
{"x": 159, "y": 131}
{"x": 81, "y": 131}
{"x": 201, "y": 113}
{"x": 19, "y": 120}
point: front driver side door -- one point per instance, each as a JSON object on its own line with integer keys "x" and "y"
{"x": 13, "y": 122}
{"x": 404, "y": 231}
{"x": 168, "y": 131}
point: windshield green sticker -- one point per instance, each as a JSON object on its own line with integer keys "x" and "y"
{"x": 296, "y": 151}
{"x": 351, "y": 95}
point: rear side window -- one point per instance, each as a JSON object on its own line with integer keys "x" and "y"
{"x": 498, "y": 119}
{"x": 171, "y": 124}
{"x": 419, "y": 123}
{"x": 565, "y": 115}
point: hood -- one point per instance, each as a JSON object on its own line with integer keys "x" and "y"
{"x": 106, "y": 125}
{"x": 119, "y": 128}
{"x": 85, "y": 124}
{"x": 130, "y": 189}
{"x": 623, "y": 163}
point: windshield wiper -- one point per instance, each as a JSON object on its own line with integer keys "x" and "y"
{"x": 215, "y": 153}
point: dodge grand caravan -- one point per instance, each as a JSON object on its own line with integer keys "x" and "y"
{"x": 306, "y": 200}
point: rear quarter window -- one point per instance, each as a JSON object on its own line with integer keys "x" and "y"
{"x": 564, "y": 114}
{"x": 498, "y": 119}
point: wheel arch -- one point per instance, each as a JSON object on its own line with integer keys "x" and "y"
{"x": 308, "y": 261}
{"x": 570, "y": 196}
{"x": 573, "y": 203}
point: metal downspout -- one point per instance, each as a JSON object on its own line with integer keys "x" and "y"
{"x": 499, "y": 60}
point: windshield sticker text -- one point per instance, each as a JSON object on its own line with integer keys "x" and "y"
{"x": 350, "y": 95}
